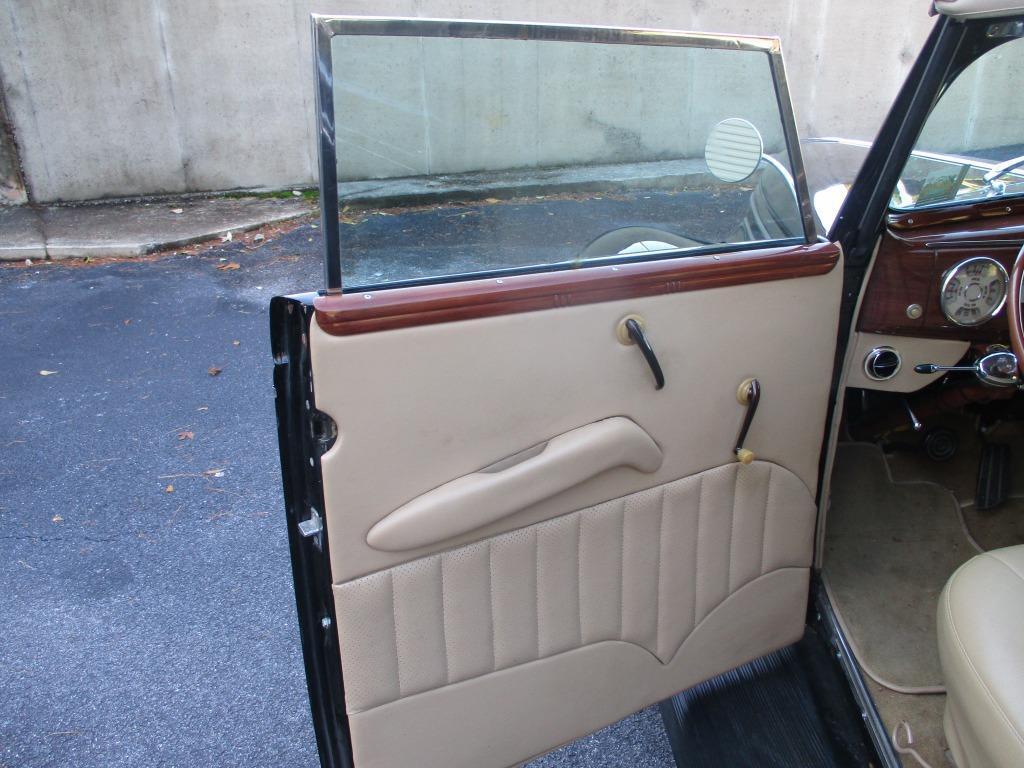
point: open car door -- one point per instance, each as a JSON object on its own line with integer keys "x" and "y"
{"x": 551, "y": 454}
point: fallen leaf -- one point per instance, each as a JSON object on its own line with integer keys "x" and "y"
{"x": 169, "y": 489}
{"x": 229, "y": 265}
{"x": 47, "y": 373}
{"x": 236, "y": 343}
{"x": 177, "y": 210}
{"x": 186, "y": 435}
{"x": 128, "y": 322}
{"x": 58, "y": 519}
{"x": 213, "y": 370}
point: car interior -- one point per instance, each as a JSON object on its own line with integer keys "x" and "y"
{"x": 754, "y": 464}
{"x": 929, "y": 443}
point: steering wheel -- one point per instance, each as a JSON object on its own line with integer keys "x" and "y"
{"x": 1013, "y": 311}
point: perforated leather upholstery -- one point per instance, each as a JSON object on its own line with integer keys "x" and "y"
{"x": 645, "y": 569}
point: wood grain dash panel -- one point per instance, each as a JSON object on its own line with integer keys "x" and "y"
{"x": 918, "y": 247}
{"x": 982, "y": 216}
{"x": 388, "y": 309}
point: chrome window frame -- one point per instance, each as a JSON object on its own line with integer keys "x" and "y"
{"x": 325, "y": 28}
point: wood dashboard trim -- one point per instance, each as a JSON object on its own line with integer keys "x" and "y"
{"x": 388, "y": 309}
{"x": 972, "y": 211}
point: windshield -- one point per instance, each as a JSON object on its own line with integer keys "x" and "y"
{"x": 972, "y": 146}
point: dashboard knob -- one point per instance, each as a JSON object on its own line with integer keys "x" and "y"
{"x": 882, "y": 363}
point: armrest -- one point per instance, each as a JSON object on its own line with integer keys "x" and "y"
{"x": 483, "y": 497}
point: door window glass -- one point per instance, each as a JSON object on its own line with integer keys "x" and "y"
{"x": 458, "y": 155}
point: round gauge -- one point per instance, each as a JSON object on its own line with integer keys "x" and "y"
{"x": 973, "y": 290}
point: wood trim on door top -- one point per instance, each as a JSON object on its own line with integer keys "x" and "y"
{"x": 380, "y": 310}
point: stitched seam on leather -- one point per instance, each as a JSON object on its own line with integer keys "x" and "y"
{"x": 996, "y": 556}
{"x": 963, "y": 652}
{"x": 505, "y": 669}
{"x": 398, "y": 650}
{"x": 657, "y": 586}
{"x": 579, "y": 573}
{"x": 696, "y": 554}
{"x": 536, "y": 582}
{"x": 764, "y": 520}
{"x": 644, "y": 502}
{"x": 622, "y": 566}
{"x": 490, "y": 590}
{"x": 732, "y": 529}
{"x": 571, "y": 650}
{"x": 724, "y": 600}
{"x": 444, "y": 624}
{"x": 697, "y": 567}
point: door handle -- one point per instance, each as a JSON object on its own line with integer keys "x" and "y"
{"x": 748, "y": 394}
{"x": 634, "y": 333}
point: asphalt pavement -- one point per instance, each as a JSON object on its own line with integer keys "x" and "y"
{"x": 146, "y": 603}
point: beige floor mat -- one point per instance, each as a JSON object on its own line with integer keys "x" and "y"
{"x": 924, "y": 713}
{"x": 890, "y": 548}
{"x": 906, "y": 503}
{"x": 1002, "y": 527}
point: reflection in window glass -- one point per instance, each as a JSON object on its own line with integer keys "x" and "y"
{"x": 968, "y": 146}
{"x": 457, "y": 156}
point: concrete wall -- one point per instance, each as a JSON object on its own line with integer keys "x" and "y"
{"x": 120, "y": 97}
{"x": 982, "y": 109}
{"x": 409, "y": 107}
{"x": 12, "y": 188}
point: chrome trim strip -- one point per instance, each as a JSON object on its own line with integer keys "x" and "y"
{"x": 868, "y": 710}
{"x": 940, "y": 245}
{"x": 789, "y": 129}
{"x": 326, "y": 27}
{"x": 396, "y": 26}
{"x": 330, "y": 225}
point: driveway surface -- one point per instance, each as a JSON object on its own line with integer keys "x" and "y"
{"x": 146, "y": 604}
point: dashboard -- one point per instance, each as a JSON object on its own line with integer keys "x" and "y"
{"x": 943, "y": 274}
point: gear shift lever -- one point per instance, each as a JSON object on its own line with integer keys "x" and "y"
{"x": 996, "y": 368}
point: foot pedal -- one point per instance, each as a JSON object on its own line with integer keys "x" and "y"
{"x": 993, "y": 476}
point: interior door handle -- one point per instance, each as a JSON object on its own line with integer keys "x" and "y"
{"x": 635, "y": 331}
{"x": 748, "y": 394}
{"x": 484, "y": 497}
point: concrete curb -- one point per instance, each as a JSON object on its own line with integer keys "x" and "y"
{"x": 126, "y": 228}
{"x": 133, "y": 228}
{"x": 425, "y": 190}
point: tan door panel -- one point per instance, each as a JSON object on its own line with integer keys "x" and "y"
{"x": 625, "y": 556}
{"x": 419, "y": 407}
